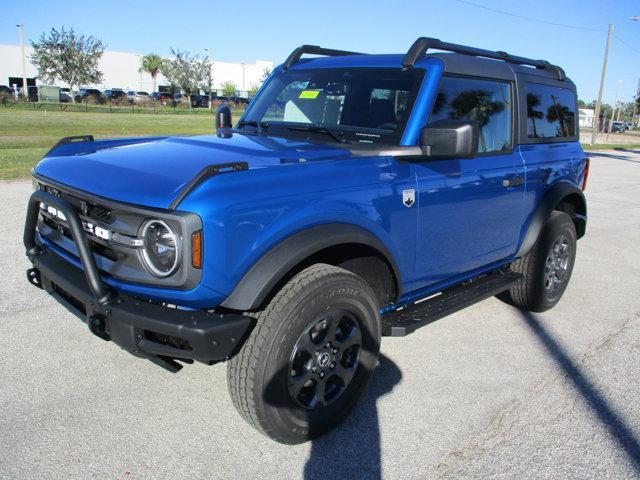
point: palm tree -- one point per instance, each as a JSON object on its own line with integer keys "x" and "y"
{"x": 151, "y": 63}
{"x": 559, "y": 113}
{"x": 534, "y": 101}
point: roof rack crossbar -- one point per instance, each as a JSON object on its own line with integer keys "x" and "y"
{"x": 423, "y": 44}
{"x": 314, "y": 50}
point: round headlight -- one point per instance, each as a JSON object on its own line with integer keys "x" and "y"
{"x": 160, "y": 248}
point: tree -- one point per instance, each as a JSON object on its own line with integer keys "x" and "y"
{"x": 561, "y": 114}
{"x": 253, "y": 89}
{"x": 152, "y": 64}
{"x": 533, "y": 101}
{"x": 189, "y": 72}
{"x": 229, "y": 89}
{"x": 265, "y": 74}
{"x": 69, "y": 57}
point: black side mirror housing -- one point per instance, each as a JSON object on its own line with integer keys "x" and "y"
{"x": 450, "y": 139}
{"x": 223, "y": 117}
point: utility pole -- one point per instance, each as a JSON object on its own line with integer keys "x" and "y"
{"x": 25, "y": 89}
{"x": 596, "y": 116}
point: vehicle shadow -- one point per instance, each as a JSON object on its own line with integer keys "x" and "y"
{"x": 353, "y": 450}
{"x": 616, "y": 157}
{"x": 614, "y": 423}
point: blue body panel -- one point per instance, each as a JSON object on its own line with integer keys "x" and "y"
{"x": 464, "y": 220}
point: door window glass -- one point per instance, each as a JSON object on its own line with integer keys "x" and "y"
{"x": 487, "y": 101}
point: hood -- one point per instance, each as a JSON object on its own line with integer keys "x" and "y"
{"x": 152, "y": 171}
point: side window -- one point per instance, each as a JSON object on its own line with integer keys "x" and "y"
{"x": 488, "y": 101}
{"x": 551, "y": 111}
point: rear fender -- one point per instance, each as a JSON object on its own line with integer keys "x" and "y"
{"x": 551, "y": 200}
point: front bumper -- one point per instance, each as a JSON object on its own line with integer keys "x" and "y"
{"x": 144, "y": 329}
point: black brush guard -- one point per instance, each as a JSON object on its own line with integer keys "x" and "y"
{"x": 144, "y": 329}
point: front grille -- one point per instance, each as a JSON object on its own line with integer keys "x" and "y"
{"x": 96, "y": 247}
{"x": 89, "y": 209}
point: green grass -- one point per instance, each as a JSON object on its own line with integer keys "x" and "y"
{"x": 612, "y": 146}
{"x": 25, "y": 135}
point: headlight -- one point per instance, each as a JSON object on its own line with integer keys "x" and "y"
{"x": 160, "y": 248}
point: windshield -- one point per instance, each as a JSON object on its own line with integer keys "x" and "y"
{"x": 355, "y": 105}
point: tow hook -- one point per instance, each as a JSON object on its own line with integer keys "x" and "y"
{"x": 98, "y": 326}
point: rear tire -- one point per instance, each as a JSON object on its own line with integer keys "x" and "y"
{"x": 309, "y": 357}
{"x": 547, "y": 268}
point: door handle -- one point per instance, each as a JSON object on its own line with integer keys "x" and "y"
{"x": 513, "y": 181}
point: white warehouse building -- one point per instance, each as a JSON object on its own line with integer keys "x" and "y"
{"x": 120, "y": 70}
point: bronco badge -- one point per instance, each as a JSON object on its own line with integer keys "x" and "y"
{"x": 408, "y": 197}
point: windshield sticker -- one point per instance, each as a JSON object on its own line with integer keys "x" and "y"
{"x": 310, "y": 94}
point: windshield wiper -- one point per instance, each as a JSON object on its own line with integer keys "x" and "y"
{"x": 338, "y": 136}
{"x": 261, "y": 126}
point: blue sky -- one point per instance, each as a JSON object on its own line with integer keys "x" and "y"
{"x": 269, "y": 30}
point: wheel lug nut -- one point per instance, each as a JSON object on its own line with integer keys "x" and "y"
{"x": 313, "y": 369}
{"x": 333, "y": 364}
{"x": 335, "y": 350}
{"x": 321, "y": 374}
{"x": 328, "y": 345}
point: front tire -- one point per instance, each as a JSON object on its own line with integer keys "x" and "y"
{"x": 546, "y": 268}
{"x": 309, "y": 357}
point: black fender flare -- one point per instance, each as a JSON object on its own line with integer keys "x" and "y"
{"x": 273, "y": 266}
{"x": 549, "y": 202}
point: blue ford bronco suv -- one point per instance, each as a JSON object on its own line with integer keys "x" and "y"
{"x": 358, "y": 196}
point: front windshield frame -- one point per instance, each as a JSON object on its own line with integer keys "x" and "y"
{"x": 353, "y": 134}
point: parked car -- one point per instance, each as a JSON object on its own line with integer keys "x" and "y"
{"x": 240, "y": 101}
{"x": 179, "y": 98}
{"x": 66, "y": 95}
{"x": 89, "y": 95}
{"x": 618, "y": 127}
{"x": 164, "y": 98}
{"x": 199, "y": 101}
{"x": 115, "y": 95}
{"x": 387, "y": 192}
{"x": 136, "y": 97}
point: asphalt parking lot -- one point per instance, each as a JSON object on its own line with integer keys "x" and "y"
{"x": 487, "y": 392}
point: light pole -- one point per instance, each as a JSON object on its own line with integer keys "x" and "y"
{"x": 243, "y": 65}
{"x": 615, "y": 104}
{"x": 25, "y": 89}
{"x": 140, "y": 70}
{"x": 210, "y": 76}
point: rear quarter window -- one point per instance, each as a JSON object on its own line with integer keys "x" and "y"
{"x": 551, "y": 111}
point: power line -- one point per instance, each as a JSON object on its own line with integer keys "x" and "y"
{"x": 626, "y": 44}
{"x": 564, "y": 25}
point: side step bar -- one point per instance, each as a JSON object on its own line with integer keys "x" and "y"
{"x": 406, "y": 320}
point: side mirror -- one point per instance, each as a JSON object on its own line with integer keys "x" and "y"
{"x": 450, "y": 139}
{"x": 223, "y": 117}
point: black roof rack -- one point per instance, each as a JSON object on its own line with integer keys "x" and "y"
{"x": 422, "y": 44}
{"x": 314, "y": 50}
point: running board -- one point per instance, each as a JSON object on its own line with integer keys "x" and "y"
{"x": 402, "y": 322}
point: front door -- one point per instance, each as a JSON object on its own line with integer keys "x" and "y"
{"x": 470, "y": 211}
